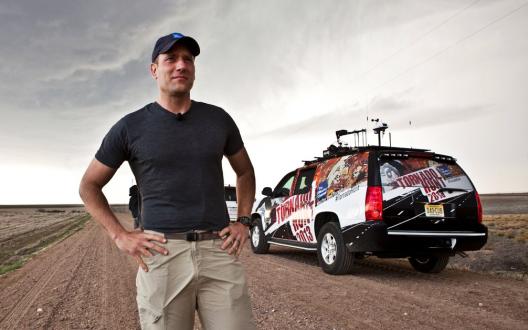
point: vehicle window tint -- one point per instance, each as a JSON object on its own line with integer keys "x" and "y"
{"x": 304, "y": 181}
{"x": 230, "y": 194}
{"x": 285, "y": 184}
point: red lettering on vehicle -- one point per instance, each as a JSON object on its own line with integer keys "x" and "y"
{"x": 292, "y": 205}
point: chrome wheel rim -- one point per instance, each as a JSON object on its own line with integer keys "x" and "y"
{"x": 255, "y": 236}
{"x": 329, "y": 248}
{"x": 422, "y": 260}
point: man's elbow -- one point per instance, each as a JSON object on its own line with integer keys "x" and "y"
{"x": 86, "y": 188}
{"x": 248, "y": 172}
{"x": 83, "y": 190}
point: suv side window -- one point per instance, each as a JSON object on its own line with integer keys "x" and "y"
{"x": 284, "y": 185}
{"x": 304, "y": 181}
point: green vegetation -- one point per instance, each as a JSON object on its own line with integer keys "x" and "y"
{"x": 512, "y": 226}
{"x": 6, "y": 268}
{"x": 23, "y": 247}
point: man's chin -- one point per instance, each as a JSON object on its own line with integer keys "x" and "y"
{"x": 179, "y": 92}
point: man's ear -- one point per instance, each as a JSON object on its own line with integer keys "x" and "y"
{"x": 154, "y": 71}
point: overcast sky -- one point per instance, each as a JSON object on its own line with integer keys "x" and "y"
{"x": 450, "y": 76}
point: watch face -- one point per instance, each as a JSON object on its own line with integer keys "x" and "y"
{"x": 244, "y": 220}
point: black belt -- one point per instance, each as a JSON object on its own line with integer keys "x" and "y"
{"x": 192, "y": 236}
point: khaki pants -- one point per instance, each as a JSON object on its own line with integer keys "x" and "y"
{"x": 193, "y": 276}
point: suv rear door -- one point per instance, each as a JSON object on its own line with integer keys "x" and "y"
{"x": 425, "y": 191}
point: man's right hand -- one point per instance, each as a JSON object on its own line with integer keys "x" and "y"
{"x": 135, "y": 243}
{"x": 138, "y": 243}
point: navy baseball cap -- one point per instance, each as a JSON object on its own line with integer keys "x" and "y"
{"x": 166, "y": 42}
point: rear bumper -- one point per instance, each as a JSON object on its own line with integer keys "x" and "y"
{"x": 375, "y": 237}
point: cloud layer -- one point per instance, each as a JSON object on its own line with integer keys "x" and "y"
{"x": 287, "y": 71}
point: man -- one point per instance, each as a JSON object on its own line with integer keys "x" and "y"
{"x": 188, "y": 251}
{"x": 133, "y": 205}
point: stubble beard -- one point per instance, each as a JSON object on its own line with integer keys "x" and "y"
{"x": 179, "y": 91}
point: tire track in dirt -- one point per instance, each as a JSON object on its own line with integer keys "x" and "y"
{"x": 83, "y": 282}
{"x": 60, "y": 301}
{"x": 21, "y": 307}
{"x": 103, "y": 295}
{"x": 79, "y": 275}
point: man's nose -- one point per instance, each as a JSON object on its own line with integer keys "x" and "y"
{"x": 181, "y": 65}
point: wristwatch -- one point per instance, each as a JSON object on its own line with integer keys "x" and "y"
{"x": 245, "y": 220}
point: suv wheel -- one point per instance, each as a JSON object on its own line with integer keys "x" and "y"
{"x": 259, "y": 244}
{"x": 429, "y": 264}
{"x": 333, "y": 256}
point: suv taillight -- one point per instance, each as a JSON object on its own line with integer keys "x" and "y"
{"x": 374, "y": 203}
{"x": 479, "y": 207}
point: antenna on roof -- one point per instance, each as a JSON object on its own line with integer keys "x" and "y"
{"x": 379, "y": 129}
{"x": 356, "y": 133}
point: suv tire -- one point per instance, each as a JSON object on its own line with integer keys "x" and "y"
{"x": 332, "y": 254}
{"x": 259, "y": 243}
{"x": 429, "y": 264}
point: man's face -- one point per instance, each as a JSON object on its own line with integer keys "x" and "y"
{"x": 174, "y": 71}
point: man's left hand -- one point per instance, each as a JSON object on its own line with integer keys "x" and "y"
{"x": 236, "y": 237}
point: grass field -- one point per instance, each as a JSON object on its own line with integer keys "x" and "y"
{"x": 25, "y": 232}
{"x": 512, "y": 226}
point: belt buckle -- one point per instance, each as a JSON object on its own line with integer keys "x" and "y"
{"x": 192, "y": 236}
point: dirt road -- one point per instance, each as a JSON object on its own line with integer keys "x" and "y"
{"x": 84, "y": 282}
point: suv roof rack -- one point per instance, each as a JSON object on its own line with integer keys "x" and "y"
{"x": 335, "y": 151}
{"x": 389, "y": 151}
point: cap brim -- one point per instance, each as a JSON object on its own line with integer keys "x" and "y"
{"x": 188, "y": 42}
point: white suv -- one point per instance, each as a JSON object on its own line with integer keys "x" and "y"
{"x": 381, "y": 201}
{"x": 231, "y": 202}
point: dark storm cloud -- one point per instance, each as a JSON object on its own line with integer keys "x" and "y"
{"x": 85, "y": 53}
{"x": 82, "y": 53}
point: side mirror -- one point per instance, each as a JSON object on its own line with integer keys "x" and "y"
{"x": 267, "y": 192}
{"x": 283, "y": 192}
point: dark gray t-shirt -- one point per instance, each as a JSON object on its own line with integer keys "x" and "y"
{"x": 177, "y": 162}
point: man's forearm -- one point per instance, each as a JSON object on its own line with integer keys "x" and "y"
{"x": 245, "y": 192}
{"x": 97, "y": 205}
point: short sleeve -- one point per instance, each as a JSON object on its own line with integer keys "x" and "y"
{"x": 114, "y": 148}
{"x": 234, "y": 141}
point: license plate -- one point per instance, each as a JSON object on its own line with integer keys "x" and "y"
{"x": 434, "y": 210}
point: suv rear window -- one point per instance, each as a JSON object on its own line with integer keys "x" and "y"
{"x": 435, "y": 178}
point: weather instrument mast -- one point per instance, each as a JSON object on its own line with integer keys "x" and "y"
{"x": 358, "y": 134}
{"x": 380, "y": 129}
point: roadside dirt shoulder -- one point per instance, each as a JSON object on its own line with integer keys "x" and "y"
{"x": 84, "y": 282}
{"x": 290, "y": 291}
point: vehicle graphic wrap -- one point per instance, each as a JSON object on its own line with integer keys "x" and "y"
{"x": 339, "y": 177}
{"x": 296, "y": 213}
{"x": 268, "y": 210}
{"x": 427, "y": 210}
{"x": 433, "y": 179}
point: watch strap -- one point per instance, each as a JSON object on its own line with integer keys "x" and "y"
{"x": 245, "y": 220}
